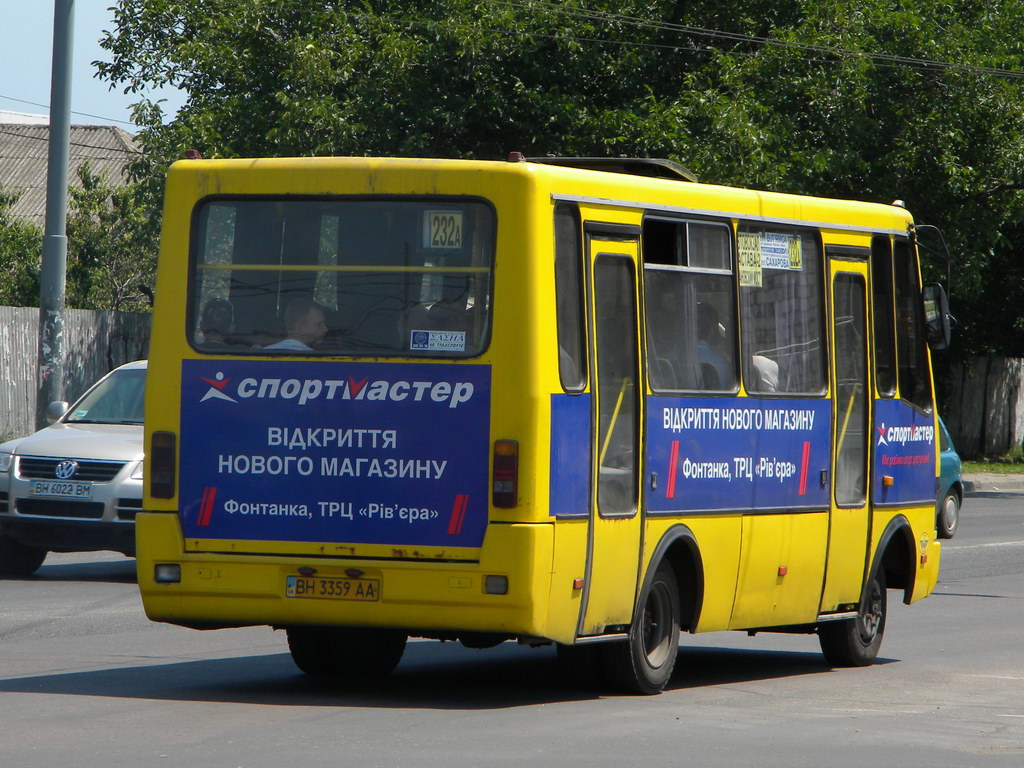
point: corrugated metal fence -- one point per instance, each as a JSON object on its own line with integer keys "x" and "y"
{"x": 94, "y": 342}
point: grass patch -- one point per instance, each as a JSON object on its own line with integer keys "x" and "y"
{"x": 1003, "y": 465}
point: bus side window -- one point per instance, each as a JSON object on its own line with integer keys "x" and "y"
{"x": 572, "y": 366}
{"x": 882, "y": 308}
{"x": 782, "y": 310}
{"x": 911, "y": 354}
{"x": 689, "y": 306}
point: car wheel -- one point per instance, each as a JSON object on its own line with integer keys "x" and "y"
{"x": 17, "y": 559}
{"x": 855, "y": 642}
{"x": 949, "y": 515}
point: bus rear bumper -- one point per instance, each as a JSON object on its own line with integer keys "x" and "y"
{"x": 231, "y": 590}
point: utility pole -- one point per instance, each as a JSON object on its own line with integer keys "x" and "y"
{"x": 55, "y": 242}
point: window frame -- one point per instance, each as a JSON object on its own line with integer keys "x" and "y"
{"x": 731, "y": 273}
{"x": 915, "y": 304}
{"x": 579, "y": 316}
{"x": 821, "y": 293}
{"x": 195, "y": 247}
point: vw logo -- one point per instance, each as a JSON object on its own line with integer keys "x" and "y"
{"x": 66, "y": 469}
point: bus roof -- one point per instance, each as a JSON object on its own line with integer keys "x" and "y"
{"x": 639, "y": 183}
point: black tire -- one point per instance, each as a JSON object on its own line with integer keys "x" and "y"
{"x": 855, "y": 642}
{"x": 582, "y": 665}
{"x": 355, "y": 654}
{"x": 948, "y": 516}
{"x": 644, "y": 663}
{"x": 17, "y": 559}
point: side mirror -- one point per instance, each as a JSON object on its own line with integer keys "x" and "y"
{"x": 55, "y": 410}
{"x": 936, "y": 316}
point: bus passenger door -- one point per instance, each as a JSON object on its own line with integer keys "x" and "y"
{"x": 614, "y": 535}
{"x": 849, "y": 530}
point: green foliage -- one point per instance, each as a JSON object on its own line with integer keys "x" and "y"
{"x": 869, "y": 99}
{"x": 20, "y": 248}
{"x": 112, "y": 245}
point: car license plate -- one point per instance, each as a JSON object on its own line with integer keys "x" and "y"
{"x": 327, "y": 588}
{"x": 63, "y": 489}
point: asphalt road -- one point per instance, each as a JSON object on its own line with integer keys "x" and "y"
{"x": 86, "y": 680}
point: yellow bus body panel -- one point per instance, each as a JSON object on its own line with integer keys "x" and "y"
{"x": 224, "y": 590}
{"x": 757, "y": 570}
{"x": 781, "y": 570}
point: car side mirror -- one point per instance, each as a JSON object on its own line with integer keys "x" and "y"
{"x": 936, "y": 316}
{"x": 55, "y": 410}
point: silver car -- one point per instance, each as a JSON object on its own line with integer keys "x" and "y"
{"x": 77, "y": 484}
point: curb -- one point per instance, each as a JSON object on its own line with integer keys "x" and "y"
{"x": 994, "y": 482}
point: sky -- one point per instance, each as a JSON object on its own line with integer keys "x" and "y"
{"x": 26, "y": 43}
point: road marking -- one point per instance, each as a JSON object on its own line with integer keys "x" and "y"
{"x": 997, "y": 677}
{"x": 990, "y": 544}
{"x": 863, "y": 711}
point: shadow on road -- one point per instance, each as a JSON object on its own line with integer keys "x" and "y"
{"x": 113, "y": 571}
{"x": 431, "y": 676}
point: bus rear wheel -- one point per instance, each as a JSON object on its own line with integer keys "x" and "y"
{"x": 356, "y": 655}
{"x": 855, "y": 642}
{"x": 644, "y": 662}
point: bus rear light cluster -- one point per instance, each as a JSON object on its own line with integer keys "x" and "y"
{"x": 505, "y": 491}
{"x": 162, "y": 469}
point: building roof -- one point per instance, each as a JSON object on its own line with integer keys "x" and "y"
{"x": 23, "y": 118}
{"x": 24, "y": 148}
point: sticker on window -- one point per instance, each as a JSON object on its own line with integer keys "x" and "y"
{"x": 442, "y": 229}
{"x": 438, "y": 341}
{"x": 779, "y": 251}
{"x": 767, "y": 250}
{"x": 749, "y": 247}
{"x": 774, "y": 251}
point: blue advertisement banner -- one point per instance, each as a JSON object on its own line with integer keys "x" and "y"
{"x": 904, "y": 451}
{"x": 738, "y": 453}
{"x": 569, "y": 485}
{"x": 337, "y": 452}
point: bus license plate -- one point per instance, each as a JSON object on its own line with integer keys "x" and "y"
{"x": 63, "y": 489}
{"x": 326, "y": 588}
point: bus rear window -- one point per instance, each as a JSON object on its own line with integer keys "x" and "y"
{"x": 369, "y": 277}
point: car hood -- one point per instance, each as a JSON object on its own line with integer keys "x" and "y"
{"x": 122, "y": 442}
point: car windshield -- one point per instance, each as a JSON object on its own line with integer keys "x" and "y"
{"x": 118, "y": 399}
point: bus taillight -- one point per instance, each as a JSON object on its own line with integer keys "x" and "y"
{"x": 162, "y": 465}
{"x": 506, "y": 473}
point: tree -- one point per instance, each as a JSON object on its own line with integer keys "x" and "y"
{"x": 916, "y": 100}
{"x": 112, "y": 245}
{"x": 20, "y": 249}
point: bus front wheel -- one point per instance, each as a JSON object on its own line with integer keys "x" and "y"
{"x": 644, "y": 662}
{"x": 357, "y": 655}
{"x": 855, "y": 642}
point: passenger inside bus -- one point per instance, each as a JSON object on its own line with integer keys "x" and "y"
{"x": 217, "y": 323}
{"x": 765, "y": 372}
{"x": 305, "y": 325}
{"x": 712, "y": 349}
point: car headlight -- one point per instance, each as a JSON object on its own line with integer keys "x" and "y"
{"x": 5, "y": 460}
{"x": 137, "y": 472}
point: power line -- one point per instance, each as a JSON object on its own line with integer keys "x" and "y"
{"x": 878, "y": 58}
{"x": 83, "y": 114}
